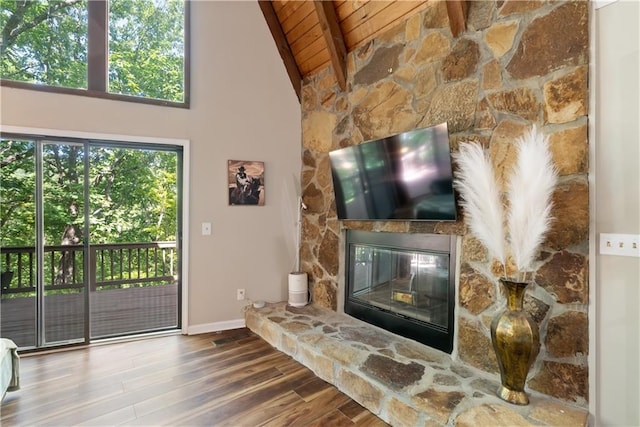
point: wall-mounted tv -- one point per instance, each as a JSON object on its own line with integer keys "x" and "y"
{"x": 402, "y": 177}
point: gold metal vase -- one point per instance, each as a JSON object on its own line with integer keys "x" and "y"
{"x": 516, "y": 341}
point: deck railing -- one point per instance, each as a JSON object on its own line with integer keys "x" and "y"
{"x": 111, "y": 266}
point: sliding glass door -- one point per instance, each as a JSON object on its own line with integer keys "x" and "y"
{"x": 18, "y": 307}
{"x": 89, "y": 239}
{"x": 61, "y": 243}
{"x": 133, "y": 253}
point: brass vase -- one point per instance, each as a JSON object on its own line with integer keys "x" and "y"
{"x": 516, "y": 341}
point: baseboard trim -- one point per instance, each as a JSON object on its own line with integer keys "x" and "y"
{"x": 216, "y": 326}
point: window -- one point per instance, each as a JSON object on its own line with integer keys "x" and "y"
{"x": 135, "y": 50}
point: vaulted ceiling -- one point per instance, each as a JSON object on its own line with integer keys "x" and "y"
{"x": 310, "y": 35}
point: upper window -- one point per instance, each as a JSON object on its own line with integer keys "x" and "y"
{"x": 123, "y": 49}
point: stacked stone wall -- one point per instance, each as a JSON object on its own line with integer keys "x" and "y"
{"x": 519, "y": 63}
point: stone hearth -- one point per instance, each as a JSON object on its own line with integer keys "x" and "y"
{"x": 401, "y": 381}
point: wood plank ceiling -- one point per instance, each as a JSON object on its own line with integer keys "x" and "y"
{"x": 310, "y": 35}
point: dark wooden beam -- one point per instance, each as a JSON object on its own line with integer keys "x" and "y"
{"x": 457, "y": 11}
{"x": 334, "y": 39}
{"x": 282, "y": 44}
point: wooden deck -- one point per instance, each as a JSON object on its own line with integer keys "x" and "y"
{"x": 113, "y": 312}
{"x": 233, "y": 378}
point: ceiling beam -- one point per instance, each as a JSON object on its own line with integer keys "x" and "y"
{"x": 457, "y": 11}
{"x": 334, "y": 39}
{"x": 282, "y": 44}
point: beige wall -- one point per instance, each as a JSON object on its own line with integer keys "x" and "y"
{"x": 244, "y": 108}
{"x": 617, "y": 210}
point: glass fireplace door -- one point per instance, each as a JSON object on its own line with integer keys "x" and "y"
{"x": 404, "y": 283}
{"x": 412, "y": 284}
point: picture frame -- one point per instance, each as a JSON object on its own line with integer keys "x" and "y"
{"x": 246, "y": 183}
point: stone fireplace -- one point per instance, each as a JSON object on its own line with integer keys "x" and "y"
{"x": 517, "y": 64}
{"x": 403, "y": 283}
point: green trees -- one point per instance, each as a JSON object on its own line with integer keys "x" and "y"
{"x": 146, "y": 48}
{"x": 132, "y": 193}
{"x": 17, "y": 193}
{"x": 45, "y": 41}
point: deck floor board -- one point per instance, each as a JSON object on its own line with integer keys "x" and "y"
{"x": 114, "y": 312}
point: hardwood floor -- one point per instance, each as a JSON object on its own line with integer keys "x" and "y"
{"x": 233, "y": 378}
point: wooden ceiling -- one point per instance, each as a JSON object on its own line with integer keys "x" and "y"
{"x": 310, "y": 35}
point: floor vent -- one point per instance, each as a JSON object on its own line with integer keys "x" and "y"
{"x": 231, "y": 338}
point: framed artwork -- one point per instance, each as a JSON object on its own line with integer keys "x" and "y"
{"x": 246, "y": 182}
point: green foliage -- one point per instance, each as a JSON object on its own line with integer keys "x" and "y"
{"x": 45, "y": 41}
{"x": 62, "y": 189}
{"x": 132, "y": 197}
{"x": 17, "y": 193}
{"x": 146, "y": 48}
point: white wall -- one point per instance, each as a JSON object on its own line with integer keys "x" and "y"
{"x": 243, "y": 107}
{"x": 617, "y": 210}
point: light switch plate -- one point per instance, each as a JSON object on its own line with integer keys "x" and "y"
{"x": 620, "y": 244}
{"x": 206, "y": 228}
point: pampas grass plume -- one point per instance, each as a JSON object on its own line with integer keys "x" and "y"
{"x": 483, "y": 213}
{"x": 530, "y": 190}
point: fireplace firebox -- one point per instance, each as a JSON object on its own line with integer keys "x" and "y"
{"x": 404, "y": 283}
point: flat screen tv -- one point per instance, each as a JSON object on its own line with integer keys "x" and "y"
{"x": 402, "y": 177}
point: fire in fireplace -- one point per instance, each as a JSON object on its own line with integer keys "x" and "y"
{"x": 404, "y": 283}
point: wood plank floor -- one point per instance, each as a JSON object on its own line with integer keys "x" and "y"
{"x": 232, "y": 378}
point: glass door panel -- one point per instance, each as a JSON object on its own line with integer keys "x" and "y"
{"x": 133, "y": 254}
{"x": 63, "y": 270}
{"x": 18, "y": 242}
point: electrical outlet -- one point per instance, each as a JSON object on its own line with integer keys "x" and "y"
{"x": 240, "y": 294}
{"x": 620, "y": 244}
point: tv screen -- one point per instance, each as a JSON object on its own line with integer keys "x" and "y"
{"x": 402, "y": 177}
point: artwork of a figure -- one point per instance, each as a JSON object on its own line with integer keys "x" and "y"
{"x": 246, "y": 182}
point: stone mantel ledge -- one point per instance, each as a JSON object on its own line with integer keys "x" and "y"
{"x": 401, "y": 381}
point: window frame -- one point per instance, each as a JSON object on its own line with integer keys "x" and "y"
{"x": 98, "y": 63}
